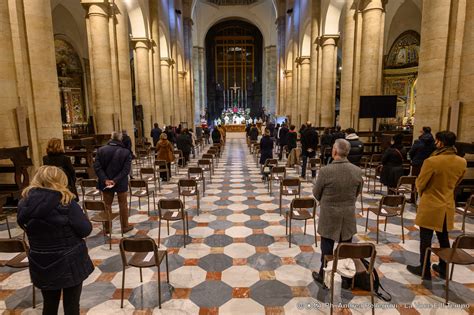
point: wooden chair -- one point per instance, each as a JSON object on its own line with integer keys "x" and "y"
{"x": 314, "y": 164}
{"x": 141, "y": 190}
{"x": 389, "y": 206}
{"x": 455, "y": 256}
{"x": 178, "y": 159}
{"x": 20, "y": 261}
{"x": 373, "y": 169}
{"x": 4, "y": 213}
{"x": 89, "y": 189}
{"x": 145, "y": 255}
{"x": 188, "y": 188}
{"x": 467, "y": 211}
{"x": 206, "y": 166}
{"x": 197, "y": 174}
{"x": 267, "y": 167}
{"x": 405, "y": 185}
{"x": 172, "y": 210}
{"x": 161, "y": 166}
{"x": 355, "y": 251}
{"x": 299, "y": 211}
{"x": 148, "y": 174}
{"x": 209, "y": 156}
{"x": 143, "y": 157}
{"x": 277, "y": 173}
{"x": 215, "y": 153}
{"x": 290, "y": 187}
{"x": 103, "y": 215}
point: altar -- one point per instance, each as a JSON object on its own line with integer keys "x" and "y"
{"x": 234, "y": 128}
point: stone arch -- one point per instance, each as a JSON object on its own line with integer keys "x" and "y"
{"x": 331, "y": 11}
{"x": 138, "y": 14}
{"x": 407, "y": 16}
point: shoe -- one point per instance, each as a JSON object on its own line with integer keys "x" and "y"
{"x": 417, "y": 270}
{"x": 346, "y": 284}
{"x": 319, "y": 279}
{"x": 442, "y": 274}
{"x": 127, "y": 229}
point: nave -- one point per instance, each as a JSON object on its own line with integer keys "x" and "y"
{"x": 237, "y": 259}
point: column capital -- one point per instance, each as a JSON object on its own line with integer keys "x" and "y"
{"x": 182, "y": 74}
{"x": 97, "y": 7}
{"x": 281, "y": 20}
{"x": 366, "y": 5}
{"x": 141, "y": 42}
{"x": 166, "y": 61}
{"x": 327, "y": 39}
{"x": 287, "y": 73}
{"x": 188, "y": 21}
{"x": 303, "y": 60}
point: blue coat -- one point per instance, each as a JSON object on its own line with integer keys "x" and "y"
{"x": 422, "y": 149}
{"x": 113, "y": 162}
{"x": 266, "y": 149}
{"x": 58, "y": 255}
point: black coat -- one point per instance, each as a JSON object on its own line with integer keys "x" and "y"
{"x": 266, "y": 149}
{"x": 357, "y": 149}
{"x": 253, "y": 133}
{"x": 422, "y": 149}
{"x": 184, "y": 143}
{"x": 284, "y": 136}
{"x": 292, "y": 139}
{"x": 63, "y": 162}
{"x": 155, "y": 135}
{"x": 326, "y": 142}
{"x": 216, "y": 136}
{"x": 127, "y": 142}
{"x": 309, "y": 141}
{"x": 113, "y": 162}
{"x": 58, "y": 255}
{"x": 392, "y": 169}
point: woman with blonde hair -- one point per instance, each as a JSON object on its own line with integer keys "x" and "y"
{"x": 164, "y": 151}
{"x": 56, "y": 157}
{"x": 56, "y": 227}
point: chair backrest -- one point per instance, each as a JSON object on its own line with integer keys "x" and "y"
{"x": 304, "y": 203}
{"x": 279, "y": 170}
{"x": 464, "y": 241}
{"x": 407, "y": 180}
{"x": 137, "y": 183}
{"x": 208, "y": 156}
{"x": 393, "y": 201}
{"x": 204, "y": 162}
{"x": 187, "y": 183}
{"x": 146, "y": 171}
{"x": 195, "y": 170}
{"x": 374, "y": 158}
{"x": 470, "y": 204}
{"x": 89, "y": 183}
{"x": 161, "y": 163}
{"x": 142, "y": 244}
{"x": 12, "y": 245}
{"x": 94, "y": 205}
{"x": 314, "y": 162}
{"x": 355, "y": 251}
{"x": 170, "y": 204}
{"x": 271, "y": 162}
{"x": 178, "y": 153}
{"x": 291, "y": 182}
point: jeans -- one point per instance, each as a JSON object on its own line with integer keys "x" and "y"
{"x": 123, "y": 206}
{"x": 426, "y": 236}
{"x": 71, "y": 298}
{"x": 307, "y": 155}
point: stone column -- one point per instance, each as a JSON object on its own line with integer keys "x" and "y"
{"x": 328, "y": 44}
{"x": 141, "y": 47}
{"x": 197, "y": 83}
{"x": 288, "y": 77}
{"x": 99, "y": 54}
{"x": 203, "y": 79}
{"x": 315, "y": 19}
{"x": 281, "y": 23}
{"x": 123, "y": 59}
{"x": 371, "y": 52}
{"x": 183, "y": 108}
{"x": 155, "y": 36}
{"x": 304, "y": 65}
{"x": 166, "y": 82}
{"x": 189, "y": 91}
{"x": 348, "y": 42}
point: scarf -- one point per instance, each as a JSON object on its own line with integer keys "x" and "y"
{"x": 445, "y": 150}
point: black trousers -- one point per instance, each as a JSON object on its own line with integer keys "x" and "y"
{"x": 327, "y": 248}
{"x": 426, "y": 236}
{"x": 71, "y": 298}
{"x": 306, "y": 156}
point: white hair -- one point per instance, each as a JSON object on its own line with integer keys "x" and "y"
{"x": 343, "y": 147}
{"x": 116, "y": 135}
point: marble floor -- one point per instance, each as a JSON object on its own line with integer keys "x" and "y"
{"x": 237, "y": 259}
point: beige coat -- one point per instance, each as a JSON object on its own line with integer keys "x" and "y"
{"x": 439, "y": 176}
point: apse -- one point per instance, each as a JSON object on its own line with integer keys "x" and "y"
{"x": 234, "y": 52}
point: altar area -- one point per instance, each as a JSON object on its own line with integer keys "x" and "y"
{"x": 234, "y": 119}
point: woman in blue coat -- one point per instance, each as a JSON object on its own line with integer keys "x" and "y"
{"x": 266, "y": 147}
{"x": 56, "y": 227}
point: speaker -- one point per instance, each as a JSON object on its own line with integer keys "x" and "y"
{"x": 138, "y": 112}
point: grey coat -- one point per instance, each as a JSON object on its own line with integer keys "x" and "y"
{"x": 337, "y": 188}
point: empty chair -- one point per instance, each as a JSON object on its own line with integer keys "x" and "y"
{"x": 405, "y": 185}
{"x": 277, "y": 173}
{"x": 389, "y": 206}
{"x": 148, "y": 174}
{"x": 467, "y": 211}
{"x": 215, "y": 153}
{"x": 188, "y": 188}
{"x": 299, "y": 211}
{"x": 197, "y": 174}
{"x": 180, "y": 160}
{"x": 102, "y": 215}
{"x": 20, "y": 261}
{"x": 145, "y": 255}
{"x": 356, "y": 252}
{"x": 161, "y": 167}
{"x": 139, "y": 188}
{"x": 314, "y": 164}
{"x": 455, "y": 255}
{"x": 89, "y": 189}
{"x": 210, "y": 157}
{"x": 373, "y": 169}
{"x": 206, "y": 166}
{"x": 290, "y": 187}
{"x": 267, "y": 167}
{"x": 172, "y": 210}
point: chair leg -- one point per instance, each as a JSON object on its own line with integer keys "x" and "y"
{"x": 110, "y": 236}
{"x": 332, "y": 293}
{"x": 463, "y": 228}
{"x": 148, "y": 209}
{"x": 424, "y": 262}
{"x": 289, "y": 240}
{"x": 8, "y": 227}
{"x": 367, "y": 220}
{"x": 447, "y": 284}
{"x": 184, "y": 231}
{"x": 304, "y": 231}
{"x": 372, "y": 293}
{"x": 403, "y": 234}
{"x": 452, "y": 270}
{"x": 377, "y": 229}
{"x": 286, "y": 223}
{"x": 159, "y": 287}
{"x": 198, "y": 205}
{"x": 154, "y": 201}
{"x": 34, "y": 295}
{"x": 167, "y": 268}
{"x": 123, "y": 287}
{"x": 280, "y": 202}
{"x": 141, "y": 275}
{"x": 159, "y": 233}
{"x": 168, "y": 225}
{"x": 385, "y": 225}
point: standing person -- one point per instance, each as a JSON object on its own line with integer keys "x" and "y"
{"x": 155, "y": 134}
{"x": 216, "y": 136}
{"x": 292, "y": 138}
{"x": 184, "y": 143}
{"x": 56, "y": 227}
{"x": 392, "y": 162}
{"x": 337, "y": 134}
{"x": 127, "y": 141}
{"x": 309, "y": 145}
{"x": 112, "y": 166}
{"x": 253, "y": 133}
{"x": 164, "y": 151}
{"x": 207, "y": 134}
{"x": 170, "y": 134}
{"x": 277, "y": 134}
{"x": 336, "y": 189}
{"x": 439, "y": 176}
{"x": 55, "y": 157}
{"x": 266, "y": 147}
{"x": 357, "y": 146}
{"x": 327, "y": 142}
{"x": 283, "y": 140}
{"x": 222, "y": 132}
{"x": 421, "y": 150}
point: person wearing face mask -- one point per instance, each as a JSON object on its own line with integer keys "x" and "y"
{"x": 439, "y": 176}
